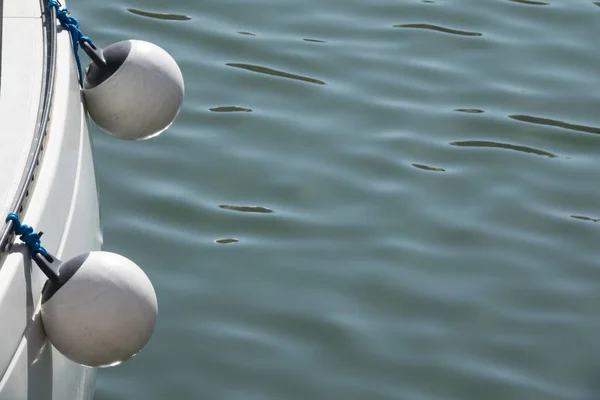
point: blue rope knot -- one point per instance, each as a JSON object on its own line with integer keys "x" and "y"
{"x": 72, "y": 25}
{"x": 27, "y": 235}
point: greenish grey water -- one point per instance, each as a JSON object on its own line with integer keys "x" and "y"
{"x": 363, "y": 200}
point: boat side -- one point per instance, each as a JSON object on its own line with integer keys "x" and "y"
{"x": 62, "y": 202}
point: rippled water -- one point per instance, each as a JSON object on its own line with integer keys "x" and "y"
{"x": 364, "y": 200}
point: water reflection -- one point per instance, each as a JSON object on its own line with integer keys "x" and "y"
{"x": 227, "y": 241}
{"x": 439, "y": 29}
{"x": 483, "y": 143}
{"x": 274, "y": 72}
{"x": 469, "y": 110}
{"x": 230, "y": 109}
{"x": 250, "y": 209}
{"x": 530, "y": 2}
{"x": 170, "y": 17}
{"x": 553, "y": 122}
{"x": 581, "y": 217}
{"x": 247, "y": 33}
{"x": 428, "y": 168}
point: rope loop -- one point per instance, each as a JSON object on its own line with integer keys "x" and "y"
{"x": 71, "y": 24}
{"x": 27, "y": 235}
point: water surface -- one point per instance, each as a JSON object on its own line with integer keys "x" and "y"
{"x": 363, "y": 200}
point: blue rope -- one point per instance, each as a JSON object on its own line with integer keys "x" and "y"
{"x": 28, "y": 236}
{"x": 72, "y": 25}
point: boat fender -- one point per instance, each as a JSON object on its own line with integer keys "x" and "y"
{"x": 98, "y": 309}
{"x": 133, "y": 89}
{"x": 101, "y": 311}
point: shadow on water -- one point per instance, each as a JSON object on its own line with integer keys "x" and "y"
{"x": 438, "y": 29}
{"x": 274, "y": 72}
{"x": 169, "y": 17}
{"x": 553, "y": 122}
{"x": 483, "y": 143}
{"x": 250, "y": 209}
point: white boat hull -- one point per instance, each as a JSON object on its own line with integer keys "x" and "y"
{"x": 62, "y": 202}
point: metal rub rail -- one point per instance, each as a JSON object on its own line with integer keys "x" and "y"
{"x": 37, "y": 146}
